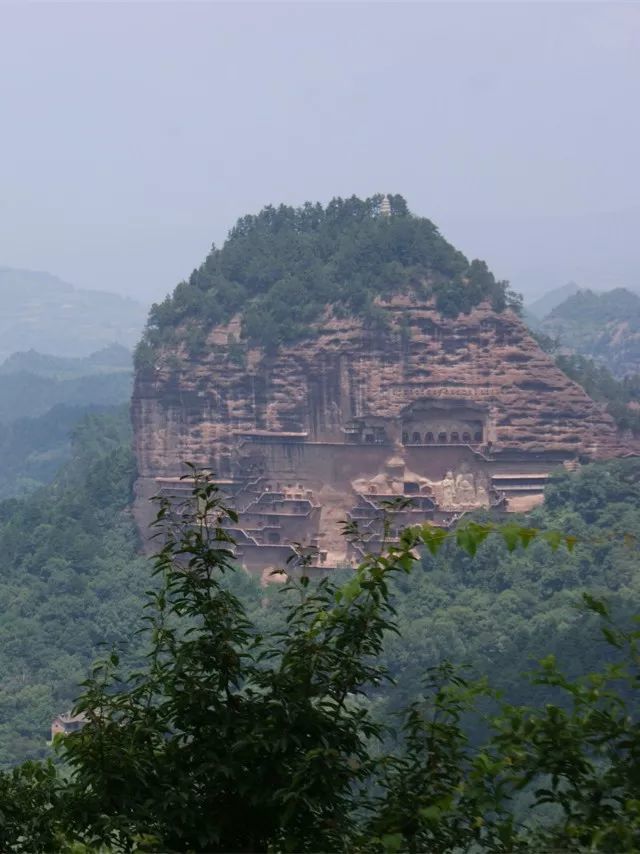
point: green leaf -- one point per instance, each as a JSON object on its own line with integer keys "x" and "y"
{"x": 352, "y": 589}
{"x": 554, "y": 538}
{"x": 612, "y": 637}
{"x": 392, "y": 841}
{"x": 570, "y": 542}
{"x": 511, "y": 536}
{"x": 467, "y": 540}
{"x": 433, "y": 537}
{"x": 526, "y": 535}
{"x": 431, "y": 813}
{"x": 595, "y": 605}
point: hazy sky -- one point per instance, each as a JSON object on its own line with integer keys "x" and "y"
{"x": 133, "y": 135}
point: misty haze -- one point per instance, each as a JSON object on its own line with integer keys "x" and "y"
{"x": 319, "y": 426}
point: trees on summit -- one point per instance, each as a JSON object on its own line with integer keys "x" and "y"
{"x": 280, "y": 268}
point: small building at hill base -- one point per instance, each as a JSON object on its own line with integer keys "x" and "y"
{"x": 65, "y": 723}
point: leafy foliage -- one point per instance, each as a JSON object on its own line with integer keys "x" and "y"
{"x": 70, "y": 581}
{"x": 42, "y": 399}
{"x": 111, "y": 359}
{"x": 74, "y": 580}
{"x": 33, "y": 450}
{"x": 603, "y": 326}
{"x": 500, "y": 611}
{"x": 544, "y": 305}
{"x": 27, "y": 395}
{"x": 281, "y": 268}
{"x": 229, "y": 740}
{"x": 621, "y": 396}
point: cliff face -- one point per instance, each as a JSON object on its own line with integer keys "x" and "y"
{"x": 463, "y": 411}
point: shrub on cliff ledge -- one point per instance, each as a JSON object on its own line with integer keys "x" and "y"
{"x": 280, "y": 268}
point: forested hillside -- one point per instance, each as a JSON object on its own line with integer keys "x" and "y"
{"x": 281, "y": 268}
{"x": 544, "y": 305}
{"x": 620, "y": 396}
{"x": 300, "y": 729}
{"x": 70, "y": 581}
{"x": 42, "y": 398}
{"x": 109, "y": 360}
{"x": 29, "y": 395}
{"x": 501, "y": 611}
{"x": 603, "y": 326}
{"x": 33, "y": 450}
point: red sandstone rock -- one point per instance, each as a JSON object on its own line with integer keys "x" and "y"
{"x": 360, "y": 397}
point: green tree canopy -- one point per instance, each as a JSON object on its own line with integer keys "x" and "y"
{"x": 232, "y": 740}
{"x": 280, "y": 268}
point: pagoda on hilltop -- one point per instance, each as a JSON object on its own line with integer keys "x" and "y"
{"x": 385, "y": 206}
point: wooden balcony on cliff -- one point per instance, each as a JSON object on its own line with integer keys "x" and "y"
{"x": 512, "y": 482}
{"x": 286, "y": 436}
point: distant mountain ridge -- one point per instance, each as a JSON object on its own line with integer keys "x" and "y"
{"x": 32, "y": 393}
{"x": 112, "y": 359}
{"x": 42, "y": 400}
{"x": 545, "y": 304}
{"x": 603, "y": 326}
{"x": 40, "y": 311}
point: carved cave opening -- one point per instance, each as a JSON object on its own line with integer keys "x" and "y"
{"x": 444, "y": 422}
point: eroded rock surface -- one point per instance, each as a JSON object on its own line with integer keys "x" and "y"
{"x": 451, "y": 413}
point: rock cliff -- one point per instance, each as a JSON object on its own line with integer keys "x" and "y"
{"x": 457, "y": 412}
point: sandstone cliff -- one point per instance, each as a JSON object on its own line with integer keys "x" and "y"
{"x": 223, "y": 408}
{"x": 191, "y": 408}
{"x": 327, "y": 359}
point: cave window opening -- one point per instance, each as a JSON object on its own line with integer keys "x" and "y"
{"x": 380, "y": 435}
{"x": 466, "y": 438}
{"x": 416, "y": 438}
{"x": 442, "y": 438}
{"x": 478, "y": 436}
{"x": 455, "y": 437}
{"x": 405, "y": 438}
{"x": 428, "y": 437}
